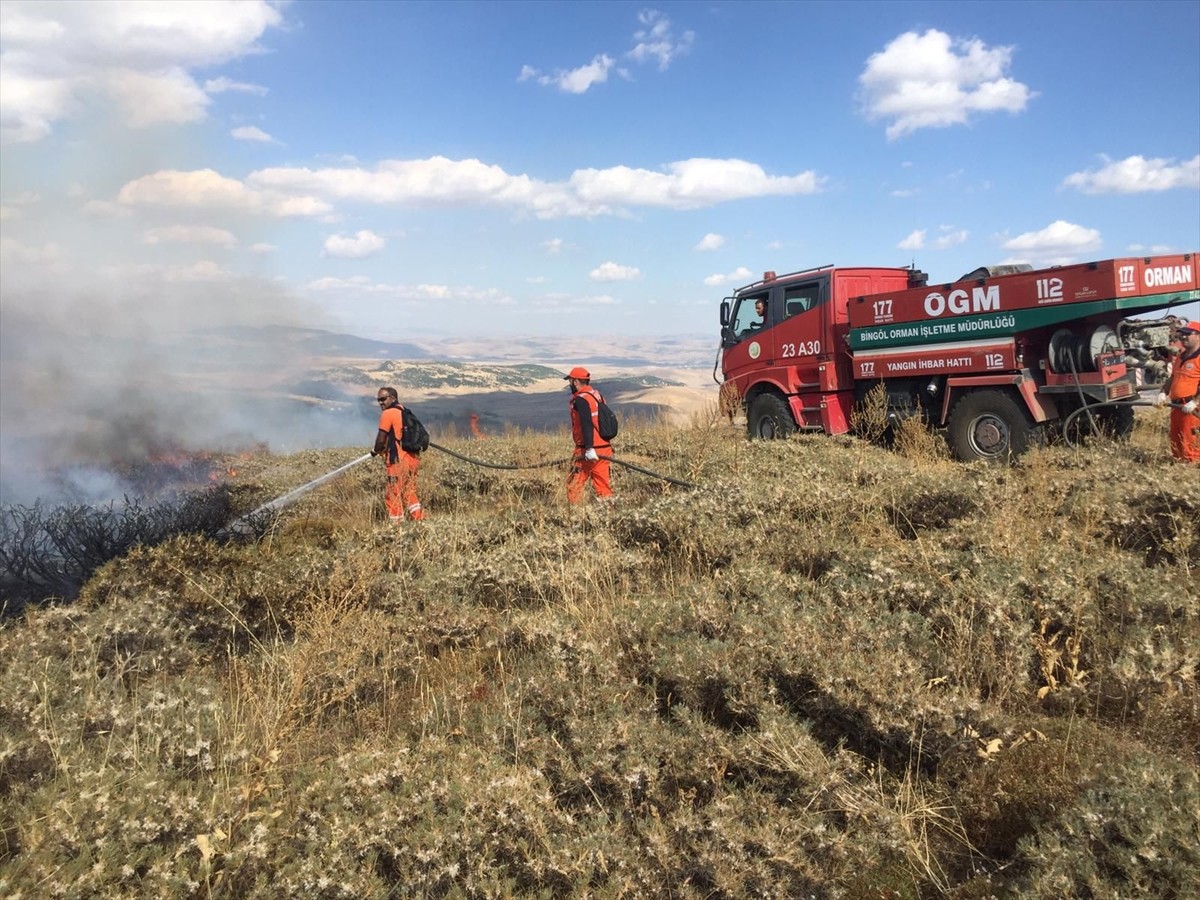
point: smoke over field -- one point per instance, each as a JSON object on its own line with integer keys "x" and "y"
{"x": 99, "y": 380}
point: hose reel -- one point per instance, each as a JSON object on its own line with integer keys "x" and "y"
{"x": 1070, "y": 353}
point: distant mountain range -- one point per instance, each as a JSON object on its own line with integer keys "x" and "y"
{"x": 677, "y": 351}
{"x": 317, "y": 343}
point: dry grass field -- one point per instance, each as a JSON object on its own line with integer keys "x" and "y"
{"x": 830, "y": 670}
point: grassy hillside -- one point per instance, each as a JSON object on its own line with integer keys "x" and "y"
{"x": 833, "y": 670}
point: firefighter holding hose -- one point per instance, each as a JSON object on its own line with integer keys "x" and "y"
{"x": 1183, "y": 393}
{"x": 400, "y": 494}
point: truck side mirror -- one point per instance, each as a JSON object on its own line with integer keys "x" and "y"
{"x": 724, "y": 313}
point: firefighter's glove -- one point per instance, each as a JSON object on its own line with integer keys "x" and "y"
{"x": 1189, "y": 407}
{"x": 1162, "y": 399}
{"x": 591, "y": 455}
{"x": 374, "y": 453}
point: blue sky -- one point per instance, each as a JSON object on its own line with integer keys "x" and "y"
{"x": 407, "y": 170}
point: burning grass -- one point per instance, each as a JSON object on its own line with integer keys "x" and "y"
{"x": 833, "y": 671}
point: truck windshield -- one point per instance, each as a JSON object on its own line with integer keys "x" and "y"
{"x": 751, "y": 314}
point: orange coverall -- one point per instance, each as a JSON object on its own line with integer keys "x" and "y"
{"x": 400, "y": 494}
{"x": 1185, "y": 386}
{"x": 585, "y": 430}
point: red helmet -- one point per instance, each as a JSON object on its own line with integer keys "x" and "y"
{"x": 580, "y": 373}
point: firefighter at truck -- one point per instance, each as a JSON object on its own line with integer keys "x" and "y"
{"x": 400, "y": 492}
{"x": 1183, "y": 392}
{"x": 592, "y": 452}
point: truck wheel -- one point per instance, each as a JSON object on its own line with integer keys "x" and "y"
{"x": 990, "y": 425}
{"x": 769, "y": 418}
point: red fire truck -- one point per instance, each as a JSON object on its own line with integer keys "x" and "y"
{"x": 998, "y": 359}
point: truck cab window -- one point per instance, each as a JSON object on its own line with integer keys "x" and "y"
{"x": 751, "y": 316}
{"x": 801, "y": 298}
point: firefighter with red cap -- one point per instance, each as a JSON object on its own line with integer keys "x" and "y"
{"x": 592, "y": 452}
{"x": 400, "y": 493}
{"x": 1183, "y": 393}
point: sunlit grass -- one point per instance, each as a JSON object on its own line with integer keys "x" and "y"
{"x": 830, "y": 670}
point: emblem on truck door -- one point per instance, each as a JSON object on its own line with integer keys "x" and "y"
{"x": 755, "y": 350}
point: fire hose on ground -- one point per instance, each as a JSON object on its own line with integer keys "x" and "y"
{"x": 245, "y": 525}
{"x": 558, "y": 462}
{"x": 1089, "y": 408}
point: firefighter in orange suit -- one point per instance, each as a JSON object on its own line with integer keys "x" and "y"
{"x": 400, "y": 495}
{"x": 1183, "y": 393}
{"x": 592, "y": 452}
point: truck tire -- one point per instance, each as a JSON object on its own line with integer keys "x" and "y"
{"x": 769, "y": 418}
{"x": 990, "y": 425}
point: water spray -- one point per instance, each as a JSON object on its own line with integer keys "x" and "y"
{"x": 245, "y": 524}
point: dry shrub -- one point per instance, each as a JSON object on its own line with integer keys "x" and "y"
{"x": 347, "y": 672}
{"x": 916, "y": 441}
{"x": 1073, "y": 812}
{"x": 1164, "y": 525}
{"x": 729, "y": 401}
{"x": 870, "y": 419}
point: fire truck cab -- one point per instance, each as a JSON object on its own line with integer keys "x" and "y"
{"x": 790, "y": 364}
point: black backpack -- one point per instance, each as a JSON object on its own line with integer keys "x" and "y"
{"x": 606, "y": 419}
{"x": 415, "y": 438}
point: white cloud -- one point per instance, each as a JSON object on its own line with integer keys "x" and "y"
{"x": 740, "y": 275}
{"x": 1136, "y": 175}
{"x": 15, "y": 207}
{"x": 430, "y": 181}
{"x": 611, "y": 271}
{"x": 950, "y": 237}
{"x": 1058, "y": 243}
{"x": 553, "y": 246}
{"x": 106, "y": 208}
{"x": 59, "y": 57}
{"x": 189, "y": 234}
{"x": 438, "y": 181}
{"x": 710, "y": 241}
{"x": 148, "y": 98}
{"x": 206, "y": 189}
{"x": 250, "y": 133}
{"x": 262, "y": 247}
{"x": 931, "y": 80}
{"x": 14, "y": 251}
{"x": 359, "y": 246}
{"x": 30, "y": 106}
{"x": 915, "y": 241}
{"x": 360, "y": 284}
{"x": 902, "y": 193}
{"x": 655, "y": 40}
{"x": 222, "y": 85}
{"x": 204, "y": 270}
{"x": 689, "y": 184}
{"x": 573, "y": 81}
